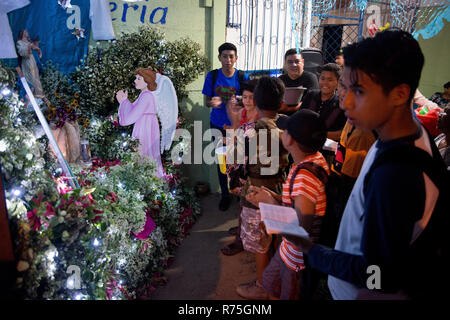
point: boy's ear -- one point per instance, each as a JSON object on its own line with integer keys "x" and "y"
{"x": 400, "y": 94}
{"x": 290, "y": 140}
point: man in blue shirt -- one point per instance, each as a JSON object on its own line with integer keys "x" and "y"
{"x": 219, "y": 87}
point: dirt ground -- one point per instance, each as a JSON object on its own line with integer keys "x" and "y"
{"x": 200, "y": 271}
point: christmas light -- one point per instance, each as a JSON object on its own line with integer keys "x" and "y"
{"x": 6, "y": 91}
{"x": 96, "y": 243}
{"x": 16, "y": 192}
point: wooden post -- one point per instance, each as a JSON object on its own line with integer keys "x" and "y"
{"x": 7, "y": 261}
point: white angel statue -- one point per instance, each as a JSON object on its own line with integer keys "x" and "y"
{"x": 157, "y": 97}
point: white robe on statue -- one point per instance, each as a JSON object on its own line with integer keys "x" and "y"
{"x": 101, "y": 23}
{"x": 29, "y": 67}
{"x": 7, "y": 49}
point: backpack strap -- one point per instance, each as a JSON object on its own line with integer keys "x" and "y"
{"x": 214, "y": 75}
{"x": 241, "y": 78}
{"x": 312, "y": 167}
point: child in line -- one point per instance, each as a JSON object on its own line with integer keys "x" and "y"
{"x": 325, "y": 100}
{"x": 268, "y": 95}
{"x": 303, "y": 136}
{"x": 242, "y": 119}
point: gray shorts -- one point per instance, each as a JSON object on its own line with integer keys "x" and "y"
{"x": 280, "y": 281}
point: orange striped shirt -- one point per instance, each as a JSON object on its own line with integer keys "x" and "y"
{"x": 308, "y": 185}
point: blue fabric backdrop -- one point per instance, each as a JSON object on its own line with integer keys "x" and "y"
{"x": 54, "y": 26}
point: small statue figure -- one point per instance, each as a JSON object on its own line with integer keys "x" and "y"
{"x": 28, "y": 63}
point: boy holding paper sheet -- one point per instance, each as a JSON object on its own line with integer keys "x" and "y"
{"x": 303, "y": 136}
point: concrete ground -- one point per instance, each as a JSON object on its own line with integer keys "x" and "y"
{"x": 200, "y": 271}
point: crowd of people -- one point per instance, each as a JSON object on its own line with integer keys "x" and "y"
{"x": 377, "y": 203}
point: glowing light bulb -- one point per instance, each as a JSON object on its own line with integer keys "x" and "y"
{"x": 16, "y": 192}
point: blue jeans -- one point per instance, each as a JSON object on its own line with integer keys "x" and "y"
{"x": 223, "y": 179}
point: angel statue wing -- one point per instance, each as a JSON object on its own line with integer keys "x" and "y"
{"x": 167, "y": 109}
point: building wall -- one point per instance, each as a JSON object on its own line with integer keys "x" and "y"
{"x": 436, "y": 71}
{"x": 202, "y": 21}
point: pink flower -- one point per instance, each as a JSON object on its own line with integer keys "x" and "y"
{"x": 34, "y": 222}
{"x": 50, "y": 211}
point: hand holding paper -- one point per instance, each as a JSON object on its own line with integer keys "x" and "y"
{"x": 281, "y": 220}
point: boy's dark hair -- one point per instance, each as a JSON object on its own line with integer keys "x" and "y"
{"x": 306, "y": 128}
{"x": 227, "y": 46}
{"x": 291, "y": 52}
{"x": 391, "y": 58}
{"x": 269, "y": 93}
{"x": 338, "y": 53}
{"x": 250, "y": 85}
{"x": 447, "y": 85}
{"x": 332, "y": 67}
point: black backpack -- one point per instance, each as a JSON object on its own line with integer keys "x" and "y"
{"x": 311, "y": 278}
{"x": 332, "y": 218}
{"x": 428, "y": 256}
{"x": 241, "y": 78}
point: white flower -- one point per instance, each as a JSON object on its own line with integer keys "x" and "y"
{"x": 3, "y": 145}
{"x": 29, "y": 156}
{"x": 61, "y": 219}
{"x": 63, "y": 213}
{"x": 65, "y": 234}
{"x": 17, "y": 138}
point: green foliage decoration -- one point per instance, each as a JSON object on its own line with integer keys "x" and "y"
{"x": 105, "y": 71}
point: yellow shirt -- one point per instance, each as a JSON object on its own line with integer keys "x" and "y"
{"x": 352, "y": 150}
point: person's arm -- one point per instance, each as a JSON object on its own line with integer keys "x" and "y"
{"x": 129, "y": 112}
{"x": 285, "y": 108}
{"x": 421, "y": 101}
{"x": 234, "y": 112}
{"x": 390, "y": 214}
{"x": 208, "y": 91}
{"x": 334, "y": 135}
{"x": 257, "y": 195}
{"x": 305, "y": 210}
{"x": 213, "y": 102}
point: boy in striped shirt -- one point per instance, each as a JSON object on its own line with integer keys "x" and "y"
{"x": 303, "y": 136}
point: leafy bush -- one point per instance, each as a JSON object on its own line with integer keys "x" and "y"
{"x": 105, "y": 71}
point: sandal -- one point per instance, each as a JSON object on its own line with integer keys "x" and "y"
{"x": 233, "y": 248}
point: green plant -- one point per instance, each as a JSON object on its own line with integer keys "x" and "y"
{"x": 105, "y": 71}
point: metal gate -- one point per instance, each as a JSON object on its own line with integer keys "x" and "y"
{"x": 263, "y": 30}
